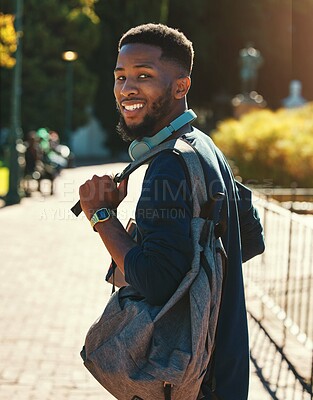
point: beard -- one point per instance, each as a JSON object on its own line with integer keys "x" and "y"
{"x": 159, "y": 108}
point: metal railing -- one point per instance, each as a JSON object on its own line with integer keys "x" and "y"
{"x": 279, "y": 289}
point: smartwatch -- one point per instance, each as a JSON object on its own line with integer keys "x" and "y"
{"x": 101, "y": 215}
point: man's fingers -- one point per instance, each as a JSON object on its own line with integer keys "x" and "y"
{"x": 102, "y": 192}
{"x": 84, "y": 188}
{"x": 123, "y": 188}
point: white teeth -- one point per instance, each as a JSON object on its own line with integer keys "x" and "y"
{"x": 133, "y": 107}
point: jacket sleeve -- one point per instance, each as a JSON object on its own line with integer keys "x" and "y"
{"x": 251, "y": 230}
{"x": 163, "y": 256}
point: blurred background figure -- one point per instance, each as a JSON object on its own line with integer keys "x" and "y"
{"x": 59, "y": 154}
{"x": 33, "y": 161}
{"x": 45, "y": 157}
{"x": 33, "y": 153}
{"x": 250, "y": 61}
{"x": 295, "y": 98}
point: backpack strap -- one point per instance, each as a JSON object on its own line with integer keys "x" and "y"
{"x": 193, "y": 166}
{"x": 169, "y": 145}
{"x": 144, "y": 159}
{"x": 202, "y": 205}
{"x": 167, "y": 391}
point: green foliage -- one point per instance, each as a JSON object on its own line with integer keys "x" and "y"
{"x": 268, "y": 146}
{"x": 51, "y": 27}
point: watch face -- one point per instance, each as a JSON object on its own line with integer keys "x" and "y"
{"x": 103, "y": 214}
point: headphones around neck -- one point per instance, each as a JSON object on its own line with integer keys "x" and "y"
{"x": 138, "y": 148}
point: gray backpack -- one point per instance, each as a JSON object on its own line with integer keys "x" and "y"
{"x": 142, "y": 352}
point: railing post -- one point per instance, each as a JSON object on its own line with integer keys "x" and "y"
{"x": 287, "y": 278}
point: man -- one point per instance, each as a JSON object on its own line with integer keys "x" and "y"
{"x": 152, "y": 79}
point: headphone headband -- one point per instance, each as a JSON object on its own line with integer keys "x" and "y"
{"x": 139, "y": 147}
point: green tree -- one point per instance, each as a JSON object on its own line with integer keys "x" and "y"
{"x": 50, "y": 28}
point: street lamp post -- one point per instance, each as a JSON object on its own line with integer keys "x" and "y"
{"x": 69, "y": 57}
{"x": 14, "y": 193}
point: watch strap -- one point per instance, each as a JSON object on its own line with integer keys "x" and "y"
{"x": 101, "y": 215}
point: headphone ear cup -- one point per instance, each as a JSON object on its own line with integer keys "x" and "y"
{"x": 138, "y": 148}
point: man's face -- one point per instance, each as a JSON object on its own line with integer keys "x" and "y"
{"x": 143, "y": 89}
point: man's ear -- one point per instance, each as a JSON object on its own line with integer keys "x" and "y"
{"x": 182, "y": 87}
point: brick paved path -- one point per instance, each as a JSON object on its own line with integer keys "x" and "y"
{"x": 52, "y": 289}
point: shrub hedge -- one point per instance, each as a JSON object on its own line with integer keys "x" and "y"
{"x": 270, "y": 146}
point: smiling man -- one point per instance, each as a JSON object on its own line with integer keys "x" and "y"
{"x": 152, "y": 79}
{"x": 150, "y": 91}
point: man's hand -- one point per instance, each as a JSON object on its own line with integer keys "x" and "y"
{"x": 101, "y": 192}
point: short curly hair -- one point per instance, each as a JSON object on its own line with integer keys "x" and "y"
{"x": 173, "y": 43}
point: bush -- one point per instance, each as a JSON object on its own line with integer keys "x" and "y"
{"x": 267, "y": 146}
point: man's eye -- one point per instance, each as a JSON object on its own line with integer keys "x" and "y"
{"x": 143, "y": 76}
{"x": 120, "y": 78}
